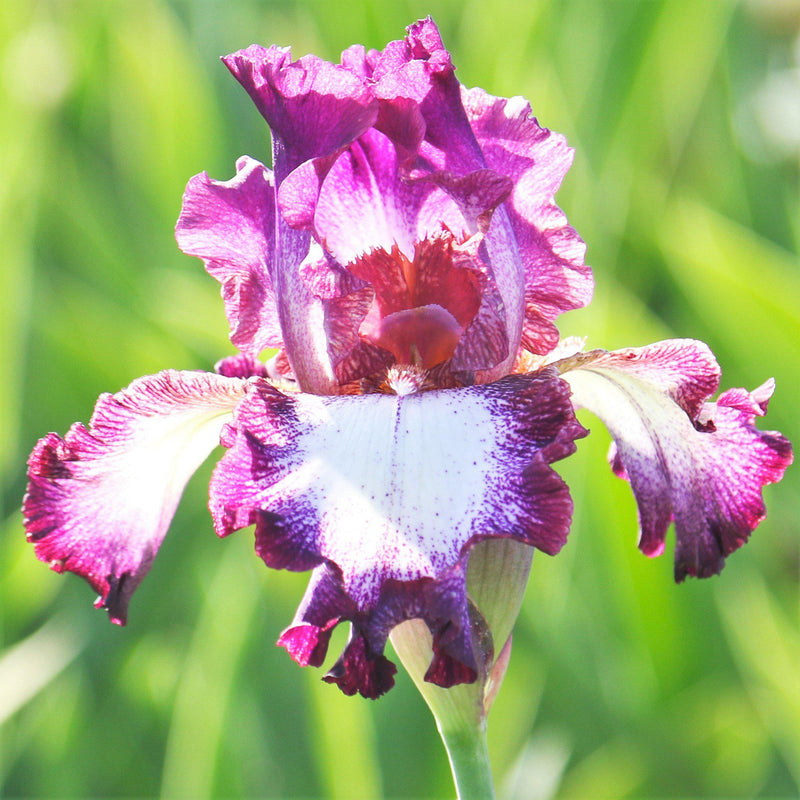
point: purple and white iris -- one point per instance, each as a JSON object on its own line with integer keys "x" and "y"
{"x": 406, "y": 261}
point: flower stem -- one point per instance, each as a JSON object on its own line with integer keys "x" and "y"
{"x": 469, "y": 762}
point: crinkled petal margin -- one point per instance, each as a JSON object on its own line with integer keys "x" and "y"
{"x": 700, "y": 464}
{"x": 100, "y": 500}
{"x": 388, "y": 494}
{"x": 312, "y": 107}
{"x": 231, "y": 226}
{"x": 552, "y": 253}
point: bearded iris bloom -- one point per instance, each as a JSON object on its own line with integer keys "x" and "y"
{"x": 405, "y": 261}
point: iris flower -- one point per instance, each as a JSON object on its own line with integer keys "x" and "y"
{"x": 403, "y": 263}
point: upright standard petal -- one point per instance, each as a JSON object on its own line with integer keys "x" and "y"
{"x": 697, "y": 463}
{"x": 390, "y": 493}
{"x": 416, "y": 85}
{"x": 416, "y": 76}
{"x": 231, "y": 226}
{"x": 99, "y": 501}
{"x": 312, "y": 107}
{"x": 372, "y": 221}
{"x": 552, "y": 253}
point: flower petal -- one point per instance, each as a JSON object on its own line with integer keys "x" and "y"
{"x": 100, "y": 500}
{"x": 231, "y": 226}
{"x": 391, "y": 491}
{"x": 312, "y": 107}
{"x": 392, "y": 215}
{"x": 367, "y": 183}
{"x": 241, "y": 366}
{"x": 420, "y": 69}
{"x": 416, "y": 77}
{"x": 364, "y": 184}
{"x": 536, "y": 159}
{"x": 700, "y": 464}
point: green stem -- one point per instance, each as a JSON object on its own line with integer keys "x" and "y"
{"x": 469, "y": 762}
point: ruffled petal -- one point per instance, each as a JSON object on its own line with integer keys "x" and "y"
{"x": 416, "y": 77}
{"x": 312, "y": 107}
{"x": 552, "y": 253}
{"x": 391, "y": 491}
{"x": 99, "y": 501}
{"x": 702, "y": 465}
{"x": 241, "y": 366}
{"x": 371, "y": 220}
{"x": 231, "y": 226}
{"x": 419, "y": 69}
{"x": 368, "y": 183}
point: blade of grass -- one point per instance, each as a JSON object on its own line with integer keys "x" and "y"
{"x": 766, "y": 645}
{"x": 344, "y": 743}
{"x": 199, "y": 716}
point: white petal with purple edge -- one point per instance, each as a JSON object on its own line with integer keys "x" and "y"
{"x": 390, "y": 487}
{"x": 100, "y": 501}
{"x": 700, "y": 464}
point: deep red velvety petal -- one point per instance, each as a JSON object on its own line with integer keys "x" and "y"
{"x": 423, "y": 336}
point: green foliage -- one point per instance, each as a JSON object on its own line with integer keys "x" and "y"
{"x": 621, "y": 684}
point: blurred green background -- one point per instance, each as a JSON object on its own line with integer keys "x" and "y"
{"x": 684, "y": 116}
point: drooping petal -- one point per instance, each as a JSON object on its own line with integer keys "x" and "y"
{"x": 99, "y": 501}
{"x": 391, "y": 490}
{"x": 325, "y": 604}
{"x": 552, "y": 253}
{"x": 702, "y": 465}
{"x": 231, "y": 226}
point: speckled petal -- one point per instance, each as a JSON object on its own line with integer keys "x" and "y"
{"x": 699, "y": 464}
{"x": 99, "y": 501}
{"x": 394, "y": 490}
